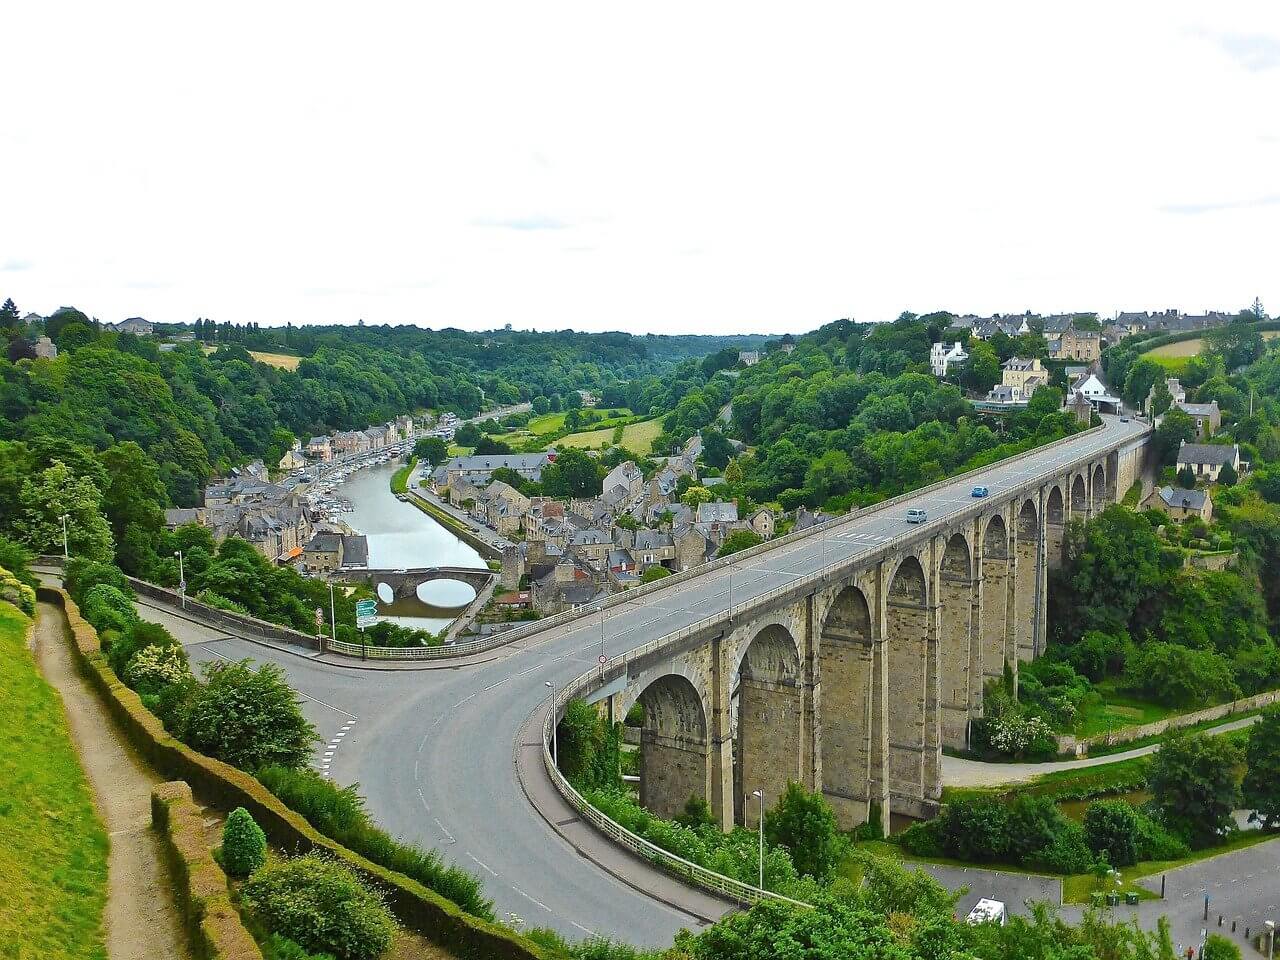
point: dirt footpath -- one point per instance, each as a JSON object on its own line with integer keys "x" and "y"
{"x": 142, "y": 919}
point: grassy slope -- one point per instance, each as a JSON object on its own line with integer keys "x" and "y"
{"x": 400, "y": 479}
{"x": 284, "y": 361}
{"x": 636, "y": 437}
{"x": 53, "y": 861}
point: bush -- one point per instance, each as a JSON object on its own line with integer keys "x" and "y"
{"x": 1179, "y": 676}
{"x": 922, "y": 839}
{"x": 16, "y": 592}
{"x": 108, "y": 608}
{"x": 1111, "y": 828}
{"x": 1068, "y": 853}
{"x": 975, "y": 830}
{"x": 153, "y": 668}
{"x": 805, "y": 825}
{"x": 339, "y": 813}
{"x": 244, "y": 845}
{"x": 16, "y": 558}
{"x": 282, "y": 948}
{"x": 1157, "y": 843}
{"x": 1034, "y": 824}
{"x": 83, "y": 575}
{"x": 247, "y": 718}
{"x": 120, "y": 646}
{"x": 320, "y": 905}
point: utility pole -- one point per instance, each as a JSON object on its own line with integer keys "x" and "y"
{"x": 65, "y": 550}
{"x": 182, "y": 579}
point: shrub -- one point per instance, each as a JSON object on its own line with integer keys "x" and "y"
{"x": 108, "y": 608}
{"x": 922, "y": 839}
{"x": 1179, "y": 676}
{"x": 339, "y": 813}
{"x": 588, "y": 747}
{"x": 120, "y": 646}
{"x": 321, "y": 905}
{"x": 1068, "y": 853}
{"x": 1111, "y": 828}
{"x": 1034, "y": 823}
{"x": 244, "y": 845}
{"x": 15, "y": 591}
{"x": 1021, "y": 735}
{"x": 16, "y": 558}
{"x": 806, "y": 825}
{"x": 1157, "y": 843}
{"x": 82, "y": 575}
{"x": 247, "y": 718}
{"x": 976, "y": 830}
{"x": 282, "y": 948}
{"x": 153, "y": 668}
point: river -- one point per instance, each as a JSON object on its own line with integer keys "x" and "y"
{"x": 401, "y": 535}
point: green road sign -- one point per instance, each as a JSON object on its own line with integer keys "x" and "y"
{"x": 366, "y": 608}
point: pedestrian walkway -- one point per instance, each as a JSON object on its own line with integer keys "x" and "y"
{"x": 142, "y": 919}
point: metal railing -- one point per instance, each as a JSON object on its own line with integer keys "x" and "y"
{"x": 596, "y": 678}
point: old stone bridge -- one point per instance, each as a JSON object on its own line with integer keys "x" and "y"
{"x": 404, "y": 582}
{"x": 852, "y": 678}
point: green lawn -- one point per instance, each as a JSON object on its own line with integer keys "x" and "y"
{"x": 53, "y": 858}
{"x": 1116, "y": 711}
{"x": 400, "y": 479}
{"x": 636, "y": 437}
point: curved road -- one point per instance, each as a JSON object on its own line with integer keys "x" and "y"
{"x": 432, "y": 749}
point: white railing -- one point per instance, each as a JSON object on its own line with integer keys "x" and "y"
{"x": 594, "y": 679}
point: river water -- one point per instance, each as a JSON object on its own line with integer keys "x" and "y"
{"x": 401, "y": 535}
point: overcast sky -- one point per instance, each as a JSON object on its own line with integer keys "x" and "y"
{"x": 684, "y": 167}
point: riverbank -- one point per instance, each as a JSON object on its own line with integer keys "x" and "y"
{"x": 455, "y": 526}
{"x": 400, "y": 479}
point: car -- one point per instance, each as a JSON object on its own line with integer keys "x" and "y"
{"x": 980, "y": 491}
{"x": 916, "y": 515}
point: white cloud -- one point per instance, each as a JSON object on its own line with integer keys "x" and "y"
{"x": 672, "y": 167}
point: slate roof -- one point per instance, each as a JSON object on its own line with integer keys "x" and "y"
{"x": 1187, "y": 499}
{"x": 1213, "y": 454}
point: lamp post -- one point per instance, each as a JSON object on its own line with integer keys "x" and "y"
{"x": 182, "y": 580}
{"x": 333, "y": 619}
{"x": 555, "y": 753}
{"x": 65, "y": 551}
{"x": 603, "y": 659}
{"x": 759, "y": 794}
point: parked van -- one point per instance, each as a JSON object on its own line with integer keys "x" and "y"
{"x": 916, "y": 515}
{"x": 988, "y": 911}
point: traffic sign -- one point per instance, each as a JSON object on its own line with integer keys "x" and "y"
{"x": 366, "y": 608}
{"x": 603, "y": 659}
{"x": 319, "y": 617}
{"x": 363, "y": 622}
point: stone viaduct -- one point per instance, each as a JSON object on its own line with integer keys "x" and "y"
{"x": 405, "y": 582}
{"x": 854, "y": 685}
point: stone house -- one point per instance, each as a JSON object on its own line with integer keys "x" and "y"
{"x": 691, "y": 547}
{"x": 718, "y": 519}
{"x": 1073, "y": 344}
{"x": 653, "y": 548}
{"x": 763, "y": 523}
{"x": 1207, "y": 416}
{"x": 1181, "y": 504}
{"x": 1206, "y": 460}
{"x": 318, "y": 448}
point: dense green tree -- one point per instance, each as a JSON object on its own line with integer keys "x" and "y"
{"x": 56, "y": 492}
{"x": 1111, "y": 828}
{"x": 1141, "y": 377}
{"x": 1174, "y": 429}
{"x": 1261, "y": 786}
{"x": 737, "y": 541}
{"x": 1228, "y": 476}
{"x": 432, "y": 450}
{"x": 806, "y": 825}
{"x": 716, "y": 450}
{"x": 654, "y": 573}
{"x": 573, "y": 474}
{"x": 982, "y": 370}
{"x": 1195, "y": 786}
{"x": 247, "y": 717}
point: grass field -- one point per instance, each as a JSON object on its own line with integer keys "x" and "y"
{"x": 1189, "y": 348}
{"x": 636, "y": 437}
{"x": 1117, "y": 711}
{"x": 400, "y": 479}
{"x": 551, "y": 423}
{"x": 284, "y": 361}
{"x": 53, "y": 861}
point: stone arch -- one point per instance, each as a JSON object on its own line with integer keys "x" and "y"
{"x": 850, "y": 706}
{"x": 770, "y": 712}
{"x": 961, "y": 684}
{"x": 1026, "y": 576}
{"x": 911, "y": 680}
{"x": 1079, "y": 497}
{"x": 1099, "y": 488}
{"x": 997, "y": 576}
{"x": 995, "y": 539}
{"x": 674, "y": 760}
{"x": 1055, "y": 519}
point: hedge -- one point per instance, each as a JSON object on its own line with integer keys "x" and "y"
{"x": 224, "y": 787}
{"x": 213, "y": 922}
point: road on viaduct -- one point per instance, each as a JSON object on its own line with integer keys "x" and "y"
{"x": 433, "y": 748}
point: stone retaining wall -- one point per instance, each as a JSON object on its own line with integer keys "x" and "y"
{"x": 224, "y": 787}
{"x": 1082, "y": 745}
{"x": 213, "y": 923}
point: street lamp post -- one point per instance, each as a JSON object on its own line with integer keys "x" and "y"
{"x": 66, "y": 553}
{"x": 555, "y": 753}
{"x": 182, "y": 580}
{"x": 333, "y": 619}
{"x": 759, "y": 794}
{"x": 603, "y": 659}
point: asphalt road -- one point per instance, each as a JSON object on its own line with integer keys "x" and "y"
{"x": 433, "y": 749}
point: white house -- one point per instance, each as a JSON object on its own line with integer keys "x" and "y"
{"x": 942, "y": 356}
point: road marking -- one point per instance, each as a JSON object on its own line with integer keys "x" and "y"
{"x": 590, "y": 933}
{"x": 531, "y": 899}
{"x": 481, "y": 864}
{"x": 426, "y": 805}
